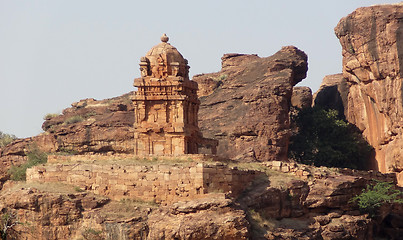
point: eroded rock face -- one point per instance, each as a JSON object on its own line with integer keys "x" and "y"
{"x": 301, "y": 97}
{"x": 372, "y": 42}
{"x": 214, "y": 218}
{"x": 315, "y": 205}
{"x": 92, "y": 126}
{"x": 68, "y": 215}
{"x": 246, "y": 105}
{"x": 333, "y": 94}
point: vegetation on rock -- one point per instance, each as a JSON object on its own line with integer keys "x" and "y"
{"x": 50, "y": 116}
{"x": 7, "y": 223}
{"x": 324, "y": 139}
{"x": 376, "y": 195}
{"x": 35, "y": 157}
{"x": 5, "y": 139}
{"x": 74, "y": 119}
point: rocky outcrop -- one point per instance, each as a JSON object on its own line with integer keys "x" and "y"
{"x": 94, "y": 126}
{"x": 301, "y": 97}
{"x": 372, "y": 42}
{"x": 213, "y": 218}
{"x": 40, "y": 212}
{"x": 283, "y": 204}
{"x": 333, "y": 94}
{"x": 246, "y": 105}
{"x": 234, "y": 102}
{"x": 317, "y": 207}
{"x": 88, "y": 126}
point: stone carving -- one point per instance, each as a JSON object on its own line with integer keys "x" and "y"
{"x": 166, "y": 105}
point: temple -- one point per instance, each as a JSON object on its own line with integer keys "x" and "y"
{"x": 166, "y": 106}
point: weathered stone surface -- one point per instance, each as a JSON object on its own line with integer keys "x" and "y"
{"x": 130, "y": 179}
{"x": 94, "y": 126}
{"x": 166, "y": 105}
{"x": 46, "y": 214}
{"x": 249, "y": 110}
{"x": 289, "y": 206}
{"x": 333, "y": 94}
{"x": 209, "y": 218}
{"x": 372, "y": 42}
{"x": 301, "y": 97}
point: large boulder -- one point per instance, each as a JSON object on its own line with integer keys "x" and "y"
{"x": 333, "y": 94}
{"x": 246, "y": 105}
{"x": 372, "y": 42}
{"x": 301, "y": 97}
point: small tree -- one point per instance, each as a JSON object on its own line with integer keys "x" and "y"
{"x": 375, "y": 195}
{"x": 35, "y": 157}
{"x": 7, "y": 221}
{"x": 323, "y": 139}
{"x": 6, "y": 139}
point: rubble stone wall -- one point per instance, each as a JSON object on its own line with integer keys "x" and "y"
{"x": 162, "y": 183}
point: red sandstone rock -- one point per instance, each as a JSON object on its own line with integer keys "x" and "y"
{"x": 210, "y": 218}
{"x": 249, "y": 110}
{"x": 372, "y": 42}
{"x": 301, "y": 97}
{"x": 333, "y": 94}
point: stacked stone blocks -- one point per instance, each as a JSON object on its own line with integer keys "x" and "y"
{"x": 162, "y": 183}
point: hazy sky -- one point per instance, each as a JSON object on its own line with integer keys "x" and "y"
{"x": 54, "y": 53}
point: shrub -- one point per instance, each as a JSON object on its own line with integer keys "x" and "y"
{"x": 7, "y": 223}
{"x": 375, "y": 195}
{"x": 222, "y": 77}
{"x": 6, "y": 139}
{"x": 78, "y": 189}
{"x": 50, "y": 116}
{"x": 74, "y": 119}
{"x": 35, "y": 157}
{"x": 323, "y": 139}
{"x": 92, "y": 234}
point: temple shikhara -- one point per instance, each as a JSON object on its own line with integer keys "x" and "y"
{"x": 166, "y": 106}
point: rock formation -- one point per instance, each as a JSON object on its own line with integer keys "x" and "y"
{"x": 372, "y": 42}
{"x": 301, "y": 97}
{"x": 333, "y": 94}
{"x": 249, "y": 89}
{"x": 246, "y": 105}
{"x": 294, "y": 201}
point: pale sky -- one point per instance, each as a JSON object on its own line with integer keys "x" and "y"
{"x": 54, "y": 53}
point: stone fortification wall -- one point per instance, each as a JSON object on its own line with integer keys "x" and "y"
{"x": 162, "y": 183}
{"x": 306, "y": 172}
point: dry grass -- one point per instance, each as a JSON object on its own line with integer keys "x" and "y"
{"x": 260, "y": 224}
{"x": 127, "y": 208}
{"x": 46, "y": 187}
{"x": 277, "y": 179}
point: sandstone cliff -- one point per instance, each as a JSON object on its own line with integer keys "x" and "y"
{"x": 372, "y": 42}
{"x": 291, "y": 201}
{"x": 246, "y": 105}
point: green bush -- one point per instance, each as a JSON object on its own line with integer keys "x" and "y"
{"x": 323, "y": 139}
{"x": 6, "y": 139}
{"x": 375, "y": 195}
{"x": 35, "y": 157}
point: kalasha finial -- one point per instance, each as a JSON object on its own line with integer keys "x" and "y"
{"x": 164, "y": 38}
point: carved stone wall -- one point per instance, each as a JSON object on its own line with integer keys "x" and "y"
{"x": 166, "y": 105}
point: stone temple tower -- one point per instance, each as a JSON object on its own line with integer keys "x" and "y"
{"x": 166, "y": 105}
